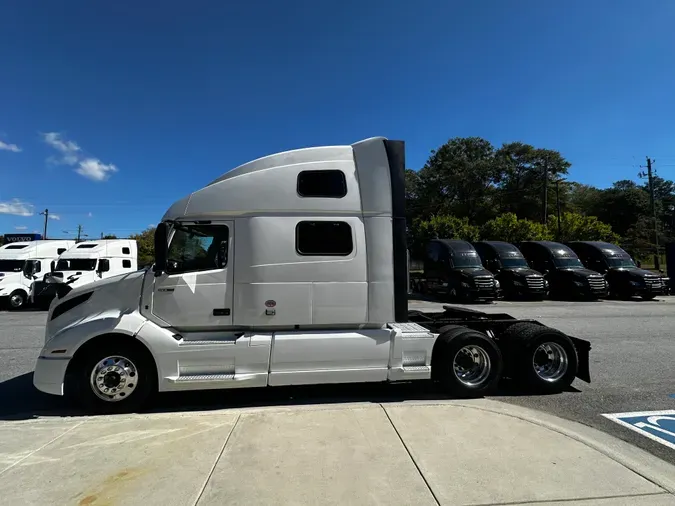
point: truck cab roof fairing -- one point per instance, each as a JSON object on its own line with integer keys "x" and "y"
{"x": 266, "y": 183}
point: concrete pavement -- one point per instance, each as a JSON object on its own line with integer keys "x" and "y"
{"x": 475, "y": 452}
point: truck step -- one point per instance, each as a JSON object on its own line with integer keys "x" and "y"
{"x": 202, "y": 378}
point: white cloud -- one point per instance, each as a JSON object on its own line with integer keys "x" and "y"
{"x": 90, "y": 215}
{"x": 54, "y": 217}
{"x": 20, "y": 227}
{"x": 9, "y": 147}
{"x": 72, "y": 154}
{"x": 16, "y": 207}
{"x": 95, "y": 170}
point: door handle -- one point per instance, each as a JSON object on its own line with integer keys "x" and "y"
{"x": 166, "y": 289}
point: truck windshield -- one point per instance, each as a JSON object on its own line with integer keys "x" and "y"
{"x": 568, "y": 263}
{"x": 512, "y": 263}
{"x": 30, "y": 267}
{"x": 11, "y": 265}
{"x": 621, "y": 263}
{"x": 466, "y": 262}
{"x": 76, "y": 264}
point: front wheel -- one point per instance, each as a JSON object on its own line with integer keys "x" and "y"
{"x": 466, "y": 362}
{"x": 114, "y": 379}
{"x": 17, "y": 299}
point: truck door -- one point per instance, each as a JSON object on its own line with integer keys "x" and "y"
{"x": 196, "y": 292}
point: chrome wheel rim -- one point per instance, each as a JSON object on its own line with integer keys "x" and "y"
{"x": 471, "y": 365}
{"x": 114, "y": 379}
{"x": 16, "y": 300}
{"x": 550, "y": 361}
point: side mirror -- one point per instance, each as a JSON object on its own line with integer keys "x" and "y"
{"x": 103, "y": 265}
{"x": 161, "y": 247}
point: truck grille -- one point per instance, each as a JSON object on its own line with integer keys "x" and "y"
{"x": 597, "y": 284}
{"x": 485, "y": 283}
{"x": 535, "y": 283}
{"x": 654, "y": 282}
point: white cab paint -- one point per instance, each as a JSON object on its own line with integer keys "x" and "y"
{"x": 16, "y": 257}
{"x": 247, "y": 307}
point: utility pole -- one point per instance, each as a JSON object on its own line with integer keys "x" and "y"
{"x": 544, "y": 217}
{"x": 557, "y": 201}
{"x": 45, "y": 213}
{"x": 79, "y": 232}
{"x": 652, "y": 203}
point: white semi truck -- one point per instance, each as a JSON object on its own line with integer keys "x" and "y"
{"x": 86, "y": 262}
{"x": 288, "y": 270}
{"x": 20, "y": 265}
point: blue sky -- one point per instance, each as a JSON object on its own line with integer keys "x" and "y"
{"x": 113, "y": 110}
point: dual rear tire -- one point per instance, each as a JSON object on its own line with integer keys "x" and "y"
{"x": 467, "y": 363}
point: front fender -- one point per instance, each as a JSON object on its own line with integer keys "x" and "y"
{"x": 67, "y": 341}
{"x": 7, "y": 289}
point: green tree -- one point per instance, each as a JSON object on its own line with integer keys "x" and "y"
{"x": 577, "y": 227}
{"x": 440, "y": 227}
{"x": 509, "y": 228}
{"x": 146, "y": 246}
{"x": 523, "y": 171}
{"x": 459, "y": 178}
{"x": 109, "y": 236}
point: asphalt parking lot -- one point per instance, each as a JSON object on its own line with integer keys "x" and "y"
{"x": 631, "y": 367}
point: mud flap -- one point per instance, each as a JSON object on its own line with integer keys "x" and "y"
{"x": 583, "y": 353}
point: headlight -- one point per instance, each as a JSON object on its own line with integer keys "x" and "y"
{"x": 465, "y": 284}
{"x": 518, "y": 283}
{"x": 496, "y": 284}
{"x": 546, "y": 282}
{"x": 635, "y": 283}
{"x": 579, "y": 283}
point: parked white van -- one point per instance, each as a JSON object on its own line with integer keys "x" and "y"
{"x": 21, "y": 263}
{"x": 87, "y": 262}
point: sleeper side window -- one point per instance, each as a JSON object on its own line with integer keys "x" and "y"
{"x": 322, "y": 183}
{"x": 324, "y": 238}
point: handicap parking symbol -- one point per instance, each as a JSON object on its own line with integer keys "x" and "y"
{"x": 658, "y": 426}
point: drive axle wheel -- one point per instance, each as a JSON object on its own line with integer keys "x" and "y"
{"x": 543, "y": 358}
{"x": 113, "y": 379}
{"x": 17, "y": 299}
{"x": 466, "y": 362}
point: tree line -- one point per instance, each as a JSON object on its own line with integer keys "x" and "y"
{"x": 470, "y": 189}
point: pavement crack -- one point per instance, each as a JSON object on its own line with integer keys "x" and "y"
{"x": 398, "y": 434}
{"x": 573, "y": 501}
{"x": 40, "y": 448}
{"x": 215, "y": 463}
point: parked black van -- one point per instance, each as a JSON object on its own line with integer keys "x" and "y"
{"x": 453, "y": 268}
{"x": 624, "y": 277}
{"x": 516, "y": 278}
{"x": 560, "y": 265}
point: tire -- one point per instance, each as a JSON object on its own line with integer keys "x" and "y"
{"x": 138, "y": 384}
{"x": 454, "y": 364}
{"x": 17, "y": 299}
{"x": 551, "y": 349}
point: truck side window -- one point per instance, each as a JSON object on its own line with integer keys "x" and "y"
{"x": 126, "y": 264}
{"x": 126, "y": 251}
{"x": 323, "y": 238}
{"x": 198, "y": 248}
{"x": 322, "y": 183}
{"x": 60, "y": 250}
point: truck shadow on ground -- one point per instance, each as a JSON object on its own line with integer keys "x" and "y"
{"x": 19, "y": 400}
